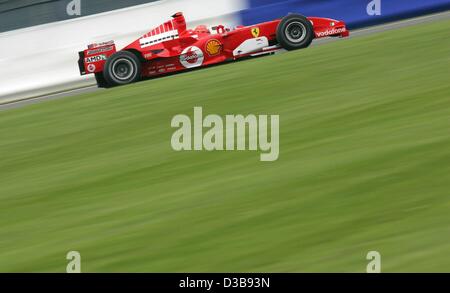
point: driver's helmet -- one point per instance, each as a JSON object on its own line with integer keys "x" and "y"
{"x": 202, "y": 29}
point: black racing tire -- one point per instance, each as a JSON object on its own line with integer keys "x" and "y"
{"x": 122, "y": 68}
{"x": 294, "y": 32}
{"x": 101, "y": 81}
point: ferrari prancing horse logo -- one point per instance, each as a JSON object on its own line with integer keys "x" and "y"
{"x": 255, "y": 32}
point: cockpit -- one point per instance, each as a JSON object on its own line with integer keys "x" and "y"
{"x": 219, "y": 29}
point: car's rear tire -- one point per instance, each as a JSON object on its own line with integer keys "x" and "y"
{"x": 101, "y": 81}
{"x": 294, "y": 32}
{"x": 122, "y": 68}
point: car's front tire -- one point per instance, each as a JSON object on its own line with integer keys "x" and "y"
{"x": 294, "y": 32}
{"x": 122, "y": 68}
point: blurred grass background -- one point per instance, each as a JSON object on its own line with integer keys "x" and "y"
{"x": 364, "y": 165}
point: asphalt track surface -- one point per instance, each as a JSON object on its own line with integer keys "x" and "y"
{"x": 353, "y": 34}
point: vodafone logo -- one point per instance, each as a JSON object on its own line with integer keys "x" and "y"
{"x": 192, "y": 57}
{"x": 331, "y": 32}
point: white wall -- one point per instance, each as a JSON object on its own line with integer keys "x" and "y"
{"x": 36, "y": 60}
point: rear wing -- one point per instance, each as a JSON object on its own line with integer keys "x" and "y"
{"x": 92, "y": 60}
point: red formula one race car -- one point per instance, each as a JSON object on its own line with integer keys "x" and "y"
{"x": 172, "y": 47}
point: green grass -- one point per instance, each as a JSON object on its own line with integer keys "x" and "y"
{"x": 364, "y": 165}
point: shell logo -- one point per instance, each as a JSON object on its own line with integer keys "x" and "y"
{"x": 213, "y": 47}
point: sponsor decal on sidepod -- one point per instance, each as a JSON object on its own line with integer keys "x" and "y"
{"x": 192, "y": 57}
{"x": 213, "y": 47}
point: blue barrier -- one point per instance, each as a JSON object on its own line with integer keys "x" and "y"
{"x": 357, "y": 13}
